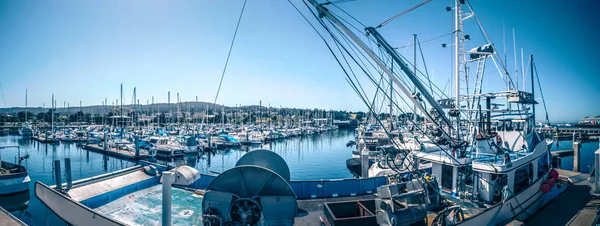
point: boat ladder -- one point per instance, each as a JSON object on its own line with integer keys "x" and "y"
{"x": 477, "y": 87}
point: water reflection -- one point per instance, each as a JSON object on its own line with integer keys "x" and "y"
{"x": 320, "y": 156}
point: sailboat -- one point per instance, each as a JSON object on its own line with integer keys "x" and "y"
{"x": 26, "y": 130}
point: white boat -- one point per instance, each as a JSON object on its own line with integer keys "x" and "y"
{"x": 26, "y": 131}
{"x": 163, "y": 147}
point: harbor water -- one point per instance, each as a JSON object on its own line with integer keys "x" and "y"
{"x": 314, "y": 157}
{"x": 587, "y": 154}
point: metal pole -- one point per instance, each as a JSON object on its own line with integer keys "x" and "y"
{"x": 68, "y": 173}
{"x": 57, "y": 174}
{"x": 168, "y": 179}
{"x": 532, "y": 88}
{"x": 456, "y": 66}
{"x": 415, "y": 71}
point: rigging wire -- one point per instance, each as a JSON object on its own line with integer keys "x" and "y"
{"x": 425, "y": 65}
{"x": 402, "y": 13}
{"x": 541, "y": 92}
{"x": 229, "y": 53}
{"x": 372, "y": 80}
{"x": 428, "y": 40}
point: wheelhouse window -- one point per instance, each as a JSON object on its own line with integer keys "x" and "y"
{"x": 523, "y": 178}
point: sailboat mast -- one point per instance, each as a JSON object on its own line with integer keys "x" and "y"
{"x": 456, "y": 63}
{"x": 415, "y": 71}
{"x": 121, "y": 100}
{"x": 522, "y": 69}
{"x": 52, "y": 114}
{"x": 515, "y": 57}
{"x": 532, "y": 87}
{"x": 26, "y": 105}
{"x": 133, "y": 108}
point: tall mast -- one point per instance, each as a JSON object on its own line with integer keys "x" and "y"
{"x": 532, "y": 87}
{"x": 515, "y": 57}
{"x": 52, "y": 114}
{"x": 456, "y": 65}
{"x": 121, "y": 103}
{"x": 415, "y": 71}
{"x": 25, "y": 105}
{"x": 523, "y": 69}
{"x": 134, "y": 106}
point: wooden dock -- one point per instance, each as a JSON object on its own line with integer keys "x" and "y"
{"x": 42, "y": 139}
{"x": 563, "y": 153}
{"x": 567, "y": 133}
{"x": 7, "y": 219}
{"x": 575, "y": 206}
{"x": 125, "y": 154}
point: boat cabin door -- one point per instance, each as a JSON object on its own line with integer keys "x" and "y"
{"x": 447, "y": 178}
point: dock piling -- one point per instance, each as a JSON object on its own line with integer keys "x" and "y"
{"x": 167, "y": 179}
{"x": 57, "y": 174}
{"x": 68, "y": 173}
{"x": 364, "y": 160}
{"x": 597, "y": 170}
{"x": 576, "y": 156}
{"x": 137, "y": 146}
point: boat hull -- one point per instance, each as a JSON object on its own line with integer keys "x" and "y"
{"x": 13, "y": 185}
{"x": 519, "y": 207}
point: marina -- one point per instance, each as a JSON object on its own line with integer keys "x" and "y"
{"x": 308, "y": 157}
{"x": 306, "y": 112}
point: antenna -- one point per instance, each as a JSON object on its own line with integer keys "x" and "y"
{"x": 515, "y": 55}
{"x": 504, "y": 40}
{"x": 523, "y": 69}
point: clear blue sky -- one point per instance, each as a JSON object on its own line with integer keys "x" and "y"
{"x": 83, "y": 50}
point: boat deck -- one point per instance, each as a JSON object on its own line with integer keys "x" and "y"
{"x": 87, "y": 191}
{"x": 311, "y": 210}
{"x": 144, "y": 207}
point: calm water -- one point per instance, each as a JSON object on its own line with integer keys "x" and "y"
{"x": 587, "y": 155}
{"x": 321, "y": 156}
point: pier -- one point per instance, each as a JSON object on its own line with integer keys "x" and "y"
{"x": 574, "y": 206}
{"x": 8, "y": 219}
{"x": 119, "y": 153}
{"x": 566, "y": 133}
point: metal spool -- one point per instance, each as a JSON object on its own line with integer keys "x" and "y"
{"x": 266, "y": 159}
{"x": 256, "y": 190}
{"x": 248, "y": 181}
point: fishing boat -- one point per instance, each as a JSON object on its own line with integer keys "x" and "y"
{"x": 489, "y": 162}
{"x": 163, "y": 147}
{"x": 13, "y": 177}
